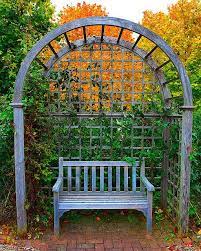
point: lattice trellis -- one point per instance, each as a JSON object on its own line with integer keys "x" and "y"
{"x": 99, "y": 95}
{"x": 173, "y": 191}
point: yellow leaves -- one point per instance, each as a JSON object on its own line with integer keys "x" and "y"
{"x": 180, "y": 27}
{"x": 6, "y": 235}
{"x": 82, "y": 10}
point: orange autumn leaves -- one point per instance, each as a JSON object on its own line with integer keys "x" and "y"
{"x": 97, "y": 77}
{"x": 180, "y": 27}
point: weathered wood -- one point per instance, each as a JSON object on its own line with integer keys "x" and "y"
{"x": 67, "y": 40}
{"x": 77, "y": 178}
{"x": 120, "y": 34}
{"x": 142, "y": 173}
{"x": 100, "y": 199}
{"x": 20, "y": 168}
{"x": 102, "y": 178}
{"x": 149, "y": 211}
{"x": 84, "y": 33}
{"x": 61, "y": 170}
{"x": 162, "y": 65}
{"x": 52, "y": 49}
{"x": 151, "y": 51}
{"x": 114, "y": 115}
{"x": 102, "y": 32}
{"x": 147, "y": 184}
{"x": 41, "y": 63}
{"x": 109, "y": 178}
{"x": 136, "y": 42}
{"x": 86, "y": 182}
{"x": 134, "y": 177}
{"x": 56, "y": 213}
{"x": 69, "y": 178}
{"x": 186, "y": 149}
{"x": 97, "y": 163}
{"x": 126, "y": 178}
{"x": 58, "y": 185}
{"x": 93, "y": 178}
{"x": 165, "y": 166}
{"x": 118, "y": 179}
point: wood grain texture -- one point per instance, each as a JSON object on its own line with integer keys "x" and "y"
{"x": 20, "y": 170}
{"x": 186, "y": 149}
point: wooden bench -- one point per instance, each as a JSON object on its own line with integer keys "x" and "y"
{"x": 101, "y": 185}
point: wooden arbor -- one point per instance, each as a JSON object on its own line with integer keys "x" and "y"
{"x": 98, "y": 79}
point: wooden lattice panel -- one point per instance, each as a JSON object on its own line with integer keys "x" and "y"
{"x": 101, "y": 78}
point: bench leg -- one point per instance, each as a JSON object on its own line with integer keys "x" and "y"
{"x": 149, "y": 220}
{"x": 149, "y": 211}
{"x": 56, "y": 214}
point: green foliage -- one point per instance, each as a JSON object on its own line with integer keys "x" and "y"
{"x": 22, "y": 23}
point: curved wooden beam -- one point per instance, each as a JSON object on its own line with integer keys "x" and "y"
{"x": 117, "y": 22}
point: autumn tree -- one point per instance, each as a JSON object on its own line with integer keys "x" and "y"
{"x": 181, "y": 28}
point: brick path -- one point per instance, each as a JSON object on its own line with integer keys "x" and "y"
{"x": 99, "y": 242}
{"x": 104, "y": 236}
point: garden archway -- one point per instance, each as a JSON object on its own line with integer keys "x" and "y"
{"x": 140, "y": 76}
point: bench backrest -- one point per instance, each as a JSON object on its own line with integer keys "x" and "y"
{"x": 99, "y": 176}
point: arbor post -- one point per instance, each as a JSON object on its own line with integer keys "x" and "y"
{"x": 19, "y": 168}
{"x": 186, "y": 148}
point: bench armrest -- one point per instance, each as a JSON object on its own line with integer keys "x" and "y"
{"x": 147, "y": 184}
{"x": 57, "y": 185}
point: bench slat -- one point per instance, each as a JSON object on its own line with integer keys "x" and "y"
{"x": 99, "y": 194}
{"x": 102, "y": 178}
{"x": 86, "y": 179}
{"x": 94, "y": 175}
{"x": 93, "y": 178}
{"x": 111, "y": 202}
{"x": 134, "y": 178}
{"x": 69, "y": 179}
{"x": 110, "y": 179}
{"x": 102, "y": 197}
{"x": 126, "y": 178}
{"x": 77, "y": 181}
{"x": 98, "y": 163}
{"x": 139, "y": 200}
{"x": 118, "y": 178}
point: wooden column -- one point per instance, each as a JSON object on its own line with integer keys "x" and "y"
{"x": 186, "y": 148}
{"x": 20, "y": 168}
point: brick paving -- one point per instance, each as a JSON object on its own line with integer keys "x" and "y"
{"x": 97, "y": 237}
{"x": 104, "y": 236}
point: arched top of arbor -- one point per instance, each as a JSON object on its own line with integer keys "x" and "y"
{"x": 103, "y": 22}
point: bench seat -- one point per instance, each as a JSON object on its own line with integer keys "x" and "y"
{"x": 102, "y": 201}
{"x": 102, "y": 185}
